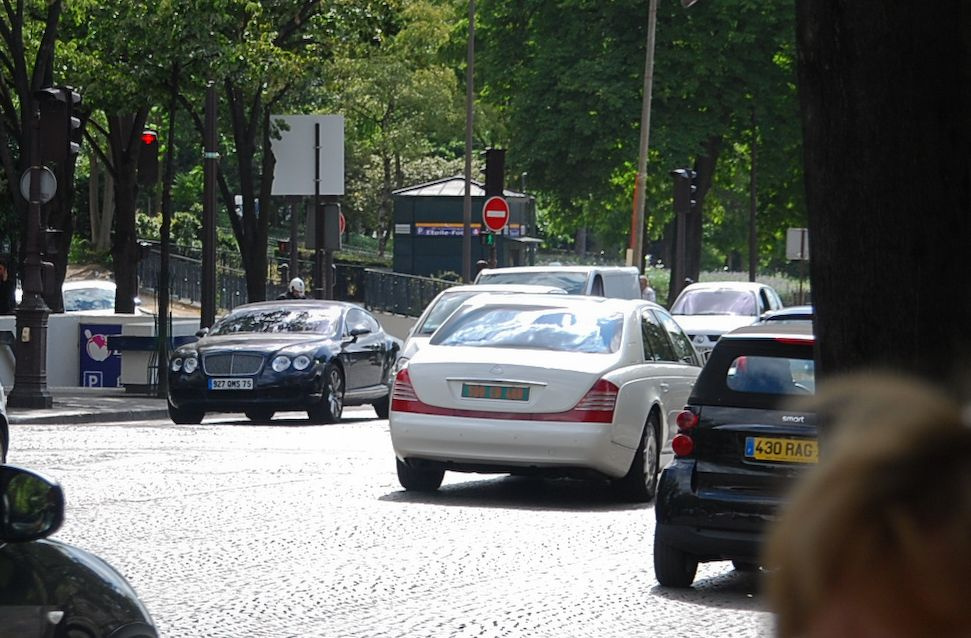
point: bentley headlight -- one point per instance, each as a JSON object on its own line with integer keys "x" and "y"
{"x": 190, "y": 364}
{"x": 176, "y": 364}
{"x": 280, "y": 363}
{"x": 301, "y": 362}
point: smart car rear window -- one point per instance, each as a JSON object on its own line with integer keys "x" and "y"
{"x": 540, "y": 328}
{"x": 771, "y": 375}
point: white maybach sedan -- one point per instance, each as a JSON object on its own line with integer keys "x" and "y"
{"x": 556, "y": 385}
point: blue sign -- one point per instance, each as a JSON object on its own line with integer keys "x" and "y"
{"x": 100, "y": 366}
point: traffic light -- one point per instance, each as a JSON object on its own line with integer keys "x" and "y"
{"x": 148, "y": 158}
{"x": 495, "y": 167}
{"x": 486, "y": 238}
{"x": 60, "y": 128}
{"x": 685, "y": 187}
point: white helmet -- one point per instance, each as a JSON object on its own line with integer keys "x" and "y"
{"x": 296, "y": 286}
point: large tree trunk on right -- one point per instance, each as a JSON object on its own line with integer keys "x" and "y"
{"x": 885, "y": 95}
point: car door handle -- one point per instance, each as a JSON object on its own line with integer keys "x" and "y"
{"x": 664, "y": 387}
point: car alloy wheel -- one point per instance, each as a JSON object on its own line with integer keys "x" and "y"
{"x": 331, "y": 404}
{"x": 640, "y": 483}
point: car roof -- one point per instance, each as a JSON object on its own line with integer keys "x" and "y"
{"x": 801, "y": 311}
{"x": 801, "y": 330}
{"x": 562, "y": 301}
{"x": 557, "y": 268}
{"x": 77, "y": 284}
{"x": 297, "y": 303}
{"x": 726, "y": 285}
{"x": 517, "y": 288}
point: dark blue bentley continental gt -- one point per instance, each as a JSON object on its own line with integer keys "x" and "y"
{"x": 271, "y": 356}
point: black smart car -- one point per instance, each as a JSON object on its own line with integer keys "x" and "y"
{"x": 48, "y": 588}
{"x": 270, "y": 356}
{"x": 737, "y": 450}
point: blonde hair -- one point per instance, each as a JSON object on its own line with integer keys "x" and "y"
{"x": 883, "y": 524}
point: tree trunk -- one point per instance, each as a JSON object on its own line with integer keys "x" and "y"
{"x": 885, "y": 94}
{"x": 123, "y": 138}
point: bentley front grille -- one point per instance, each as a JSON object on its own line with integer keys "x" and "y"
{"x": 232, "y": 364}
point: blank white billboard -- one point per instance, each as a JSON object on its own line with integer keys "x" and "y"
{"x": 294, "y": 151}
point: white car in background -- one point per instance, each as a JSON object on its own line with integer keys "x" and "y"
{"x": 89, "y": 296}
{"x": 554, "y": 385}
{"x": 707, "y": 310}
{"x": 445, "y": 303}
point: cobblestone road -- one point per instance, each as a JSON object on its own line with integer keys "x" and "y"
{"x": 233, "y": 530}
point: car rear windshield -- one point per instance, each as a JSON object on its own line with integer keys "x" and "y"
{"x": 771, "y": 375}
{"x": 324, "y": 321}
{"x": 533, "y": 327}
{"x": 757, "y": 373}
{"x": 715, "y": 302}
{"x": 574, "y": 283}
{"x": 81, "y": 299}
{"x": 446, "y": 305}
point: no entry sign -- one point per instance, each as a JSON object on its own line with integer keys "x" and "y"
{"x": 495, "y": 213}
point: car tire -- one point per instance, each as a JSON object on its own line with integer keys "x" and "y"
{"x": 259, "y": 415}
{"x": 416, "y": 479}
{"x": 331, "y": 404}
{"x": 4, "y": 440}
{"x": 382, "y": 407}
{"x": 673, "y": 567}
{"x": 185, "y": 416}
{"x": 640, "y": 483}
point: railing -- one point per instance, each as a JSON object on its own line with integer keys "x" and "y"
{"x": 185, "y": 280}
{"x": 400, "y": 294}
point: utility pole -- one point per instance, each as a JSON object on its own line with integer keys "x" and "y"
{"x": 469, "y": 105}
{"x": 637, "y": 227}
{"x": 210, "y": 166}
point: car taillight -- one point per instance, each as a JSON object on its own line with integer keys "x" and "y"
{"x": 597, "y": 405}
{"x": 683, "y": 445}
{"x": 403, "y": 396}
{"x": 687, "y": 420}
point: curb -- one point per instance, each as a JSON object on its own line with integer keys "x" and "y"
{"x": 87, "y": 417}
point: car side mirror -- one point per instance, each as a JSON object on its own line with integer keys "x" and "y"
{"x": 31, "y": 506}
{"x": 357, "y": 332}
{"x": 202, "y": 332}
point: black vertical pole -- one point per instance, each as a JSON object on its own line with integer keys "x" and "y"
{"x": 210, "y": 166}
{"x": 294, "y": 238}
{"x": 30, "y": 348}
{"x": 320, "y": 288}
{"x": 162, "y": 294}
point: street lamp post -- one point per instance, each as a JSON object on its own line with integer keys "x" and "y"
{"x": 30, "y": 378}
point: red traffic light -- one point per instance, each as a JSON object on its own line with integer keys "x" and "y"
{"x": 149, "y": 137}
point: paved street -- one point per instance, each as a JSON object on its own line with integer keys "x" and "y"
{"x": 233, "y": 530}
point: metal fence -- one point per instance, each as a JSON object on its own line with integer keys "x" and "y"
{"x": 400, "y": 294}
{"x": 185, "y": 280}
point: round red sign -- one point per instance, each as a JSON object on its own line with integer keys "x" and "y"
{"x": 343, "y": 224}
{"x": 495, "y": 213}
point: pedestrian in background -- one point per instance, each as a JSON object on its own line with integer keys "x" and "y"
{"x": 876, "y": 539}
{"x": 647, "y": 293}
{"x": 296, "y": 290}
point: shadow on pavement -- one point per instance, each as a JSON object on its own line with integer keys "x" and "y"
{"x": 520, "y": 492}
{"x": 731, "y": 589}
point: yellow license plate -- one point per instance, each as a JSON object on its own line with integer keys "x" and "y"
{"x": 763, "y": 448}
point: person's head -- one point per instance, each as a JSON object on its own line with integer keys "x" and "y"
{"x": 296, "y": 287}
{"x": 876, "y": 540}
{"x": 644, "y": 281}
